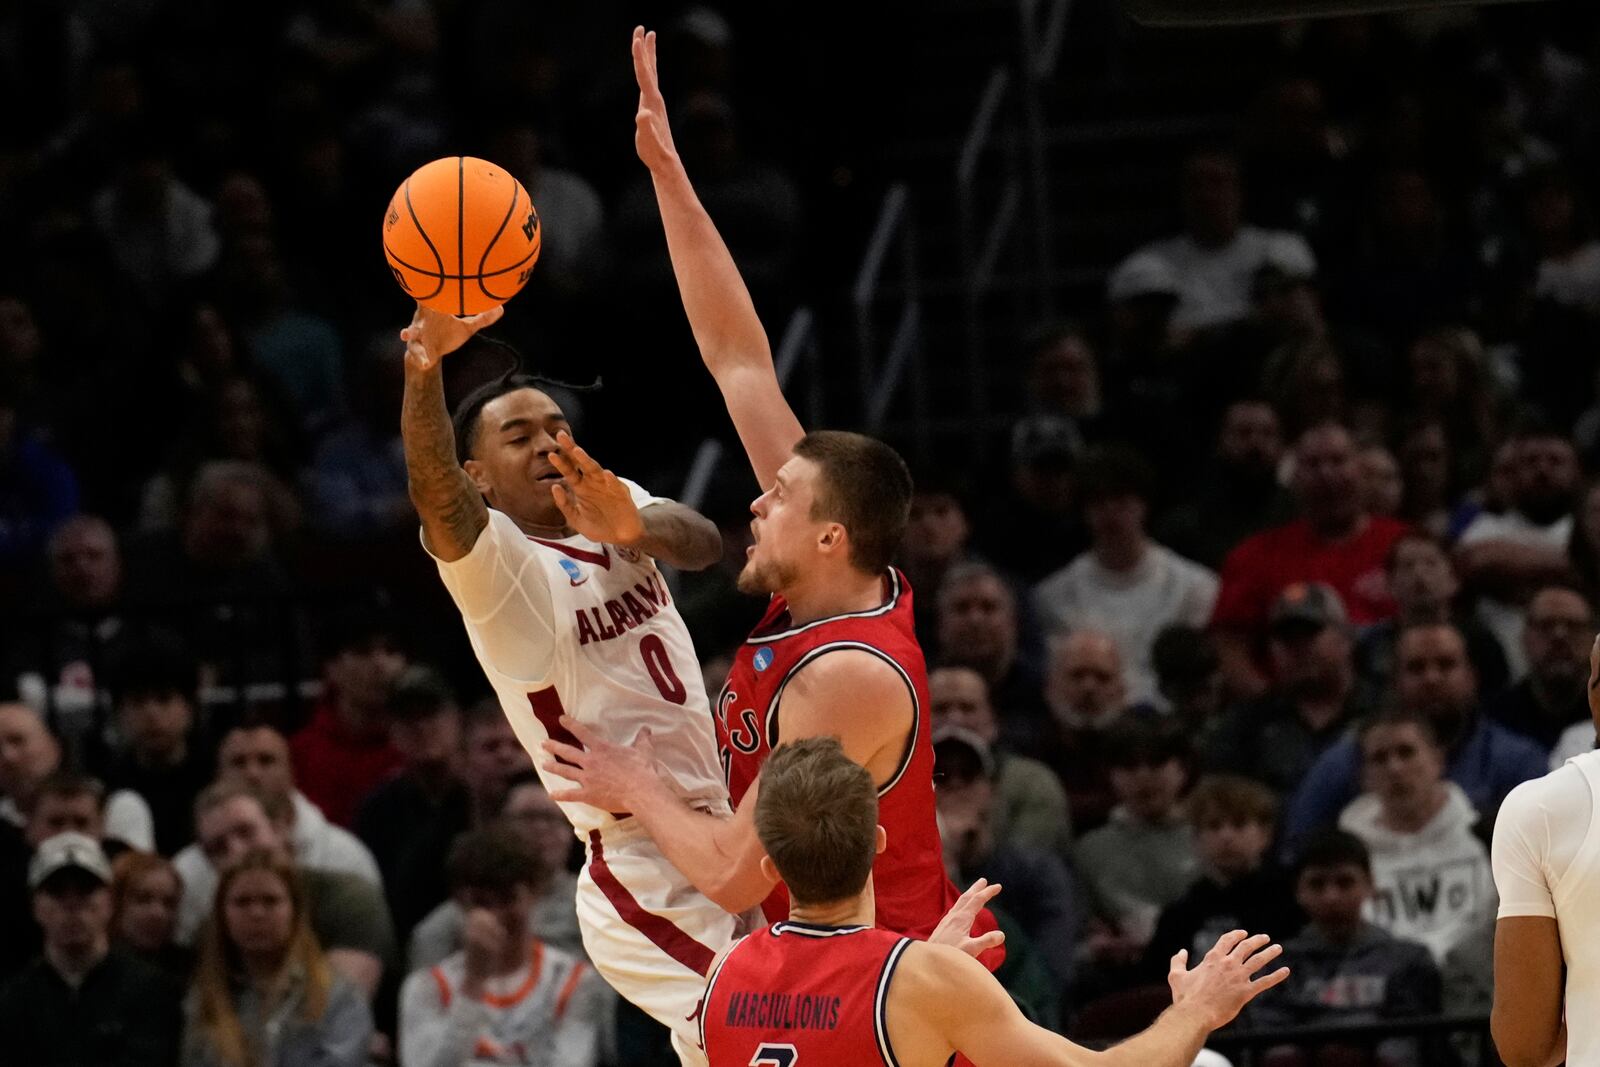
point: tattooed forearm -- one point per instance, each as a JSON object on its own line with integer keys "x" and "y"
{"x": 453, "y": 512}
{"x": 680, "y": 536}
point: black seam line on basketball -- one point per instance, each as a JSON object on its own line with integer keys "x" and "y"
{"x": 461, "y": 232}
{"x": 507, "y": 270}
{"x": 425, "y": 240}
{"x": 515, "y": 189}
{"x": 452, "y": 277}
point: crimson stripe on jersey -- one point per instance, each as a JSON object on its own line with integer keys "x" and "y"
{"x": 583, "y": 555}
{"x": 548, "y": 709}
{"x": 661, "y": 931}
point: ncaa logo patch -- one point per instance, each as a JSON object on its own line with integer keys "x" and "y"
{"x": 762, "y": 658}
{"x": 573, "y": 571}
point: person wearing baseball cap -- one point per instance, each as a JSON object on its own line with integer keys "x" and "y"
{"x": 81, "y": 1001}
{"x": 1312, "y": 697}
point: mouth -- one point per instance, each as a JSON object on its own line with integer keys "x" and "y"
{"x": 549, "y": 477}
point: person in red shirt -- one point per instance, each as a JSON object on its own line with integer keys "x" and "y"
{"x": 825, "y": 986}
{"x": 343, "y": 753}
{"x": 1335, "y": 541}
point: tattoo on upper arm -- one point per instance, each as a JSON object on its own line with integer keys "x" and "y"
{"x": 452, "y": 510}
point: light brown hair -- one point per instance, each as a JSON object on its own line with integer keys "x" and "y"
{"x": 218, "y": 964}
{"x": 817, "y": 817}
{"x": 1231, "y": 798}
{"x": 866, "y": 488}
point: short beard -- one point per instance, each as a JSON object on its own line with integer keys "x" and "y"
{"x": 765, "y": 579}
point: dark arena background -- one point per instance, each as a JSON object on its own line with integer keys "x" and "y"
{"x": 1244, "y": 356}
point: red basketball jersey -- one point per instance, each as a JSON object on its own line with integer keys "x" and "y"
{"x": 795, "y": 993}
{"x": 908, "y": 880}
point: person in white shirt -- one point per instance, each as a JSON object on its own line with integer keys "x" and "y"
{"x": 1508, "y": 556}
{"x": 258, "y": 755}
{"x": 506, "y": 996}
{"x": 1126, "y": 585}
{"x": 1546, "y": 858}
{"x": 1216, "y": 258}
{"x": 1430, "y": 873}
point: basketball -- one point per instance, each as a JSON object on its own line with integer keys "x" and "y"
{"x": 461, "y": 235}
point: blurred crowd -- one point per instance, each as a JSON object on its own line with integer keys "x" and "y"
{"x": 1288, "y": 576}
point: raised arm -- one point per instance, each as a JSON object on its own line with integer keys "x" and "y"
{"x": 451, "y": 508}
{"x": 732, "y": 342}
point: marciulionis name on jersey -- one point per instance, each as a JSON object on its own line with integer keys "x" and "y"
{"x": 617, "y": 617}
{"x": 783, "y": 1011}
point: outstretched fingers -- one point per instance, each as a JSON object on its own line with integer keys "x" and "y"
{"x": 569, "y": 754}
{"x": 1254, "y": 963}
{"x": 1261, "y": 985}
{"x": 586, "y": 464}
{"x": 1227, "y": 943}
{"x": 1248, "y": 946}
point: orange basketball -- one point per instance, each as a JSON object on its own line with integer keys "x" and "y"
{"x": 461, "y": 235}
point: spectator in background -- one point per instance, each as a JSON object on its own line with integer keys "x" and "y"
{"x": 1562, "y": 229}
{"x": 1125, "y": 585}
{"x": 357, "y": 480}
{"x": 163, "y": 755}
{"x": 1238, "y": 494}
{"x": 1434, "y": 678}
{"x": 1143, "y": 858}
{"x": 70, "y": 802}
{"x": 506, "y": 996}
{"x": 218, "y": 577}
{"x": 1507, "y": 556}
{"x": 159, "y": 229}
{"x": 1382, "y": 488}
{"x": 1217, "y": 254}
{"x": 1426, "y": 590}
{"x": 1029, "y": 805}
{"x": 30, "y": 756}
{"x": 1428, "y": 473}
{"x": 256, "y": 756}
{"x": 84, "y": 1001}
{"x": 1556, "y": 640}
{"x": 1035, "y": 528}
{"x": 62, "y": 651}
{"x": 530, "y": 814}
{"x": 38, "y": 490}
{"x": 1087, "y": 694}
{"x": 979, "y": 628}
{"x": 1043, "y": 898}
{"x": 1313, "y": 699}
{"x": 1583, "y": 546}
{"x": 1336, "y": 541}
{"x": 1239, "y": 888}
{"x": 1063, "y": 378}
{"x": 1189, "y": 677}
{"x": 571, "y": 213}
{"x": 1345, "y": 969}
{"x": 299, "y": 351}
{"x": 344, "y": 751}
{"x": 264, "y": 992}
{"x": 237, "y": 420}
{"x": 347, "y": 913}
{"x": 409, "y": 821}
{"x": 145, "y": 890}
{"x": 935, "y": 540}
{"x": 1430, "y": 871}
{"x": 1449, "y": 384}
{"x": 495, "y": 757}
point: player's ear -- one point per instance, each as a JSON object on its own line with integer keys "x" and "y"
{"x": 475, "y": 472}
{"x": 833, "y": 538}
{"x": 769, "y": 871}
{"x": 881, "y": 843}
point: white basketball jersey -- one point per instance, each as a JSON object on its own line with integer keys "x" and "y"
{"x": 621, "y": 659}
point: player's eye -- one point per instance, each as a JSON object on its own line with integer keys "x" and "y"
{"x": 519, "y": 440}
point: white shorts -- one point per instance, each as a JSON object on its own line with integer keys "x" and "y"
{"x": 650, "y": 933}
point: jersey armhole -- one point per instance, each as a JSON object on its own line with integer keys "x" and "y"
{"x": 880, "y": 1003}
{"x": 711, "y": 982}
{"x": 860, "y": 646}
